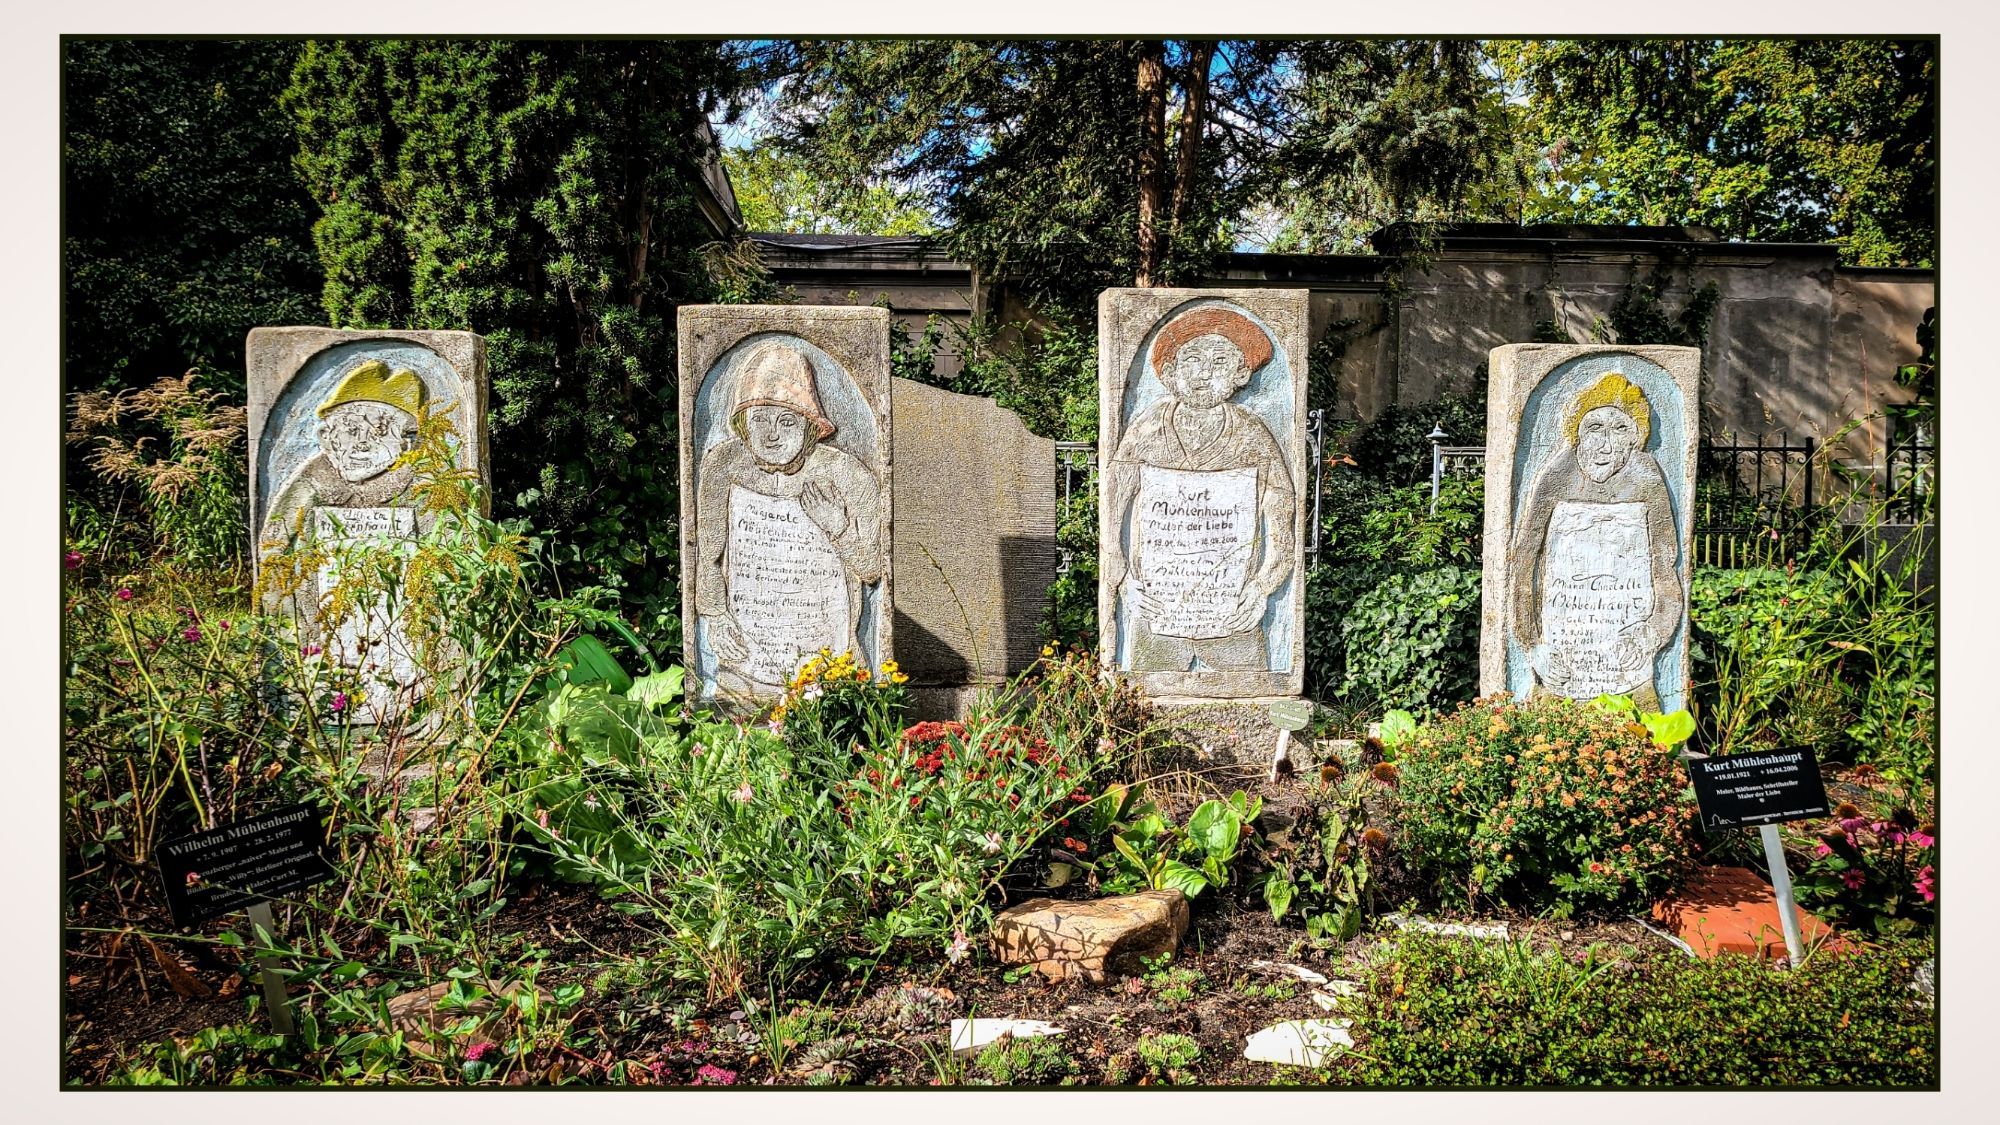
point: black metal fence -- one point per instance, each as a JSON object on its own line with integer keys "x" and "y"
{"x": 1752, "y": 498}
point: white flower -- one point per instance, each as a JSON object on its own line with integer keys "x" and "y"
{"x": 812, "y": 692}
{"x": 744, "y": 794}
{"x": 993, "y": 843}
{"x": 960, "y": 945}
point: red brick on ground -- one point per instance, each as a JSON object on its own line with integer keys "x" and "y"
{"x": 1732, "y": 910}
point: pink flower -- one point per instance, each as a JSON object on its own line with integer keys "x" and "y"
{"x": 72, "y": 560}
{"x": 960, "y": 945}
{"x": 339, "y": 702}
{"x": 1926, "y": 884}
{"x": 1822, "y": 849}
{"x": 744, "y": 794}
{"x": 1919, "y": 840}
{"x": 713, "y": 1075}
{"x": 1854, "y": 878}
{"x": 191, "y": 633}
{"x": 478, "y": 1051}
{"x": 225, "y": 626}
{"x": 124, "y": 593}
{"x": 309, "y": 650}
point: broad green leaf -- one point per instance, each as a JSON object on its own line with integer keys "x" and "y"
{"x": 657, "y": 689}
{"x": 1176, "y": 875}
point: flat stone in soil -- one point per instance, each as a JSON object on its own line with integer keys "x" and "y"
{"x": 1299, "y": 1042}
{"x": 1091, "y": 941}
{"x": 970, "y": 1037}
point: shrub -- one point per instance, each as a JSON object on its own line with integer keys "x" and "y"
{"x": 787, "y": 854}
{"x": 1412, "y": 642}
{"x": 1456, "y": 1013}
{"x": 1550, "y": 799}
{"x": 1873, "y": 874}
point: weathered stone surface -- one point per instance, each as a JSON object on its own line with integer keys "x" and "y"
{"x": 1201, "y": 448}
{"x": 970, "y": 1037}
{"x": 786, "y": 493}
{"x": 330, "y": 410}
{"x": 975, "y": 546}
{"x": 418, "y": 1016}
{"x": 1299, "y": 1042}
{"x": 1590, "y": 462}
{"x": 1091, "y": 941}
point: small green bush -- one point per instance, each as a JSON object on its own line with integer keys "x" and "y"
{"x": 1457, "y": 1013}
{"x": 1544, "y": 801}
{"x": 1412, "y": 642}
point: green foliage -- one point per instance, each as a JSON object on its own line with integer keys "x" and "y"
{"x": 1799, "y": 140}
{"x": 1044, "y": 1061}
{"x": 1876, "y": 875}
{"x": 1321, "y": 867}
{"x": 788, "y": 854}
{"x": 1461, "y": 1014}
{"x": 1413, "y": 640}
{"x": 1385, "y": 131}
{"x": 1169, "y": 983}
{"x": 1839, "y": 654}
{"x": 182, "y": 224}
{"x": 168, "y": 452}
{"x": 782, "y": 192}
{"x": 1547, "y": 802}
{"x": 1149, "y": 851}
{"x": 1167, "y": 1057}
{"x": 545, "y": 195}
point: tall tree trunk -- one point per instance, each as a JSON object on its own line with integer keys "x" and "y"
{"x": 1152, "y": 159}
{"x": 1194, "y": 120}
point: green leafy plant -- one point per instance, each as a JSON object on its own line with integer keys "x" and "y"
{"x": 1167, "y": 1056}
{"x": 1543, "y": 802}
{"x": 1322, "y": 869}
{"x": 1150, "y": 851}
{"x": 1441, "y": 1012}
{"x": 1041, "y": 1061}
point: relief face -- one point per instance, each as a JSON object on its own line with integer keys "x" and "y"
{"x": 789, "y": 535}
{"x": 1597, "y": 590}
{"x": 349, "y": 491}
{"x": 1204, "y": 500}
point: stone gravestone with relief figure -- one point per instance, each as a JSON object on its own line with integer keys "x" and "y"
{"x": 1590, "y": 462}
{"x": 1203, "y": 468}
{"x": 785, "y": 493}
{"x": 331, "y": 414}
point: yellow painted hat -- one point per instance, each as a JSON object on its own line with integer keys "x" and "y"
{"x": 372, "y": 382}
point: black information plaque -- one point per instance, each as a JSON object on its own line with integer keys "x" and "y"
{"x": 1763, "y": 787}
{"x": 242, "y": 864}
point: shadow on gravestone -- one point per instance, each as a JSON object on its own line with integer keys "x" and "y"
{"x": 975, "y": 547}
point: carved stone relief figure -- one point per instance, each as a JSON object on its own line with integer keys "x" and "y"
{"x": 348, "y": 491}
{"x": 1597, "y": 591}
{"x": 1206, "y": 503}
{"x": 789, "y": 530}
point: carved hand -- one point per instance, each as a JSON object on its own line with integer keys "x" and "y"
{"x": 727, "y": 640}
{"x": 1249, "y": 608}
{"x": 824, "y": 506}
{"x": 1137, "y": 594}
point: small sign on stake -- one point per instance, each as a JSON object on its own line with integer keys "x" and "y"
{"x": 1287, "y": 715}
{"x": 1765, "y": 788}
{"x": 242, "y": 866}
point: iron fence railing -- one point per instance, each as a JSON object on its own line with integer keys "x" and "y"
{"x": 1752, "y": 498}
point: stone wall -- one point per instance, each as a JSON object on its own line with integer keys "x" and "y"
{"x": 1799, "y": 344}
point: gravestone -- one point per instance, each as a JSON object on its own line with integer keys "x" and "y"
{"x": 785, "y": 493}
{"x": 1590, "y": 462}
{"x": 331, "y": 411}
{"x": 975, "y": 545}
{"x": 1202, "y": 462}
